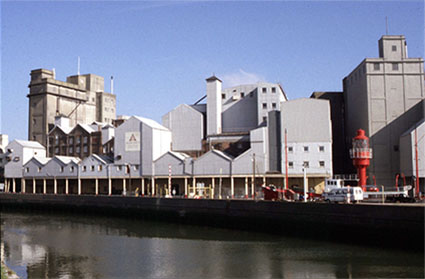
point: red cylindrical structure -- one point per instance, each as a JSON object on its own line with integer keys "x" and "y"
{"x": 361, "y": 154}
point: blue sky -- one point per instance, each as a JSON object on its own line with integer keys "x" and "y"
{"x": 161, "y": 52}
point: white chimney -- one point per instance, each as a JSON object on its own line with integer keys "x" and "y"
{"x": 214, "y": 107}
{"x": 62, "y": 121}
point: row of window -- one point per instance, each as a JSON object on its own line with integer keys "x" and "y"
{"x": 242, "y": 94}
{"x": 71, "y": 149}
{"x": 377, "y": 66}
{"x": 273, "y": 105}
{"x": 306, "y": 148}
{"x": 306, "y": 164}
{"x": 70, "y": 139}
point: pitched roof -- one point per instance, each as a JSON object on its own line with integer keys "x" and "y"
{"x": 39, "y": 159}
{"x": 68, "y": 159}
{"x": 102, "y": 158}
{"x": 213, "y": 78}
{"x": 29, "y": 143}
{"x": 151, "y": 123}
{"x": 66, "y": 130}
{"x": 87, "y": 128}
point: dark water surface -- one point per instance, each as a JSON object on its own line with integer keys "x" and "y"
{"x": 38, "y": 245}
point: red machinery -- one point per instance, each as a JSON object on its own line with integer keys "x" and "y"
{"x": 361, "y": 155}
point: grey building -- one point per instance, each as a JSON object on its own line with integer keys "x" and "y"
{"x": 411, "y": 156}
{"x": 81, "y": 98}
{"x": 383, "y": 96}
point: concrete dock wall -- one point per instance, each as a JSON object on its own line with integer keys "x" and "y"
{"x": 395, "y": 225}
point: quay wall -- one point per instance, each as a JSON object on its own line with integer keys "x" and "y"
{"x": 397, "y": 225}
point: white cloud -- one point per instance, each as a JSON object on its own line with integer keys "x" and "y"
{"x": 240, "y": 77}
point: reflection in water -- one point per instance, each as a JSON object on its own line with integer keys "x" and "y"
{"x": 67, "y": 246}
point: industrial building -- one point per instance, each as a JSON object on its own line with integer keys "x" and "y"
{"x": 385, "y": 97}
{"x": 81, "y": 98}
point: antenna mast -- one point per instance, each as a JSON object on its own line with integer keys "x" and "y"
{"x": 386, "y": 25}
{"x": 78, "y": 69}
{"x": 112, "y": 84}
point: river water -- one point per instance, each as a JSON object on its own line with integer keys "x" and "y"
{"x": 41, "y": 245}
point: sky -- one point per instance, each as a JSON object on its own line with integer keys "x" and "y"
{"x": 160, "y": 53}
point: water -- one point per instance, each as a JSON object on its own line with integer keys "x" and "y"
{"x": 39, "y": 245}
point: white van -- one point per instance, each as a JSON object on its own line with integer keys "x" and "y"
{"x": 344, "y": 194}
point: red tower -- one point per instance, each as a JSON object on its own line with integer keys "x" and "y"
{"x": 361, "y": 154}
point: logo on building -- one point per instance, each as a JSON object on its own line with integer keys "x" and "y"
{"x": 132, "y": 141}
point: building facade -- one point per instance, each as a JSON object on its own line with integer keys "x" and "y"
{"x": 81, "y": 98}
{"x": 383, "y": 96}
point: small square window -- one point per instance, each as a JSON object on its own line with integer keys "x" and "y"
{"x": 264, "y": 105}
{"x": 136, "y": 167}
{"x": 376, "y": 66}
{"x": 223, "y": 96}
{"x": 321, "y": 148}
{"x": 84, "y": 168}
{"x": 290, "y": 149}
{"x": 306, "y": 164}
{"x": 264, "y": 90}
{"x": 291, "y": 165}
{"x": 273, "y": 89}
{"x": 305, "y": 148}
{"x": 322, "y": 164}
{"x": 396, "y": 148}
{"x": 394, "y": 48}
{"x": 265, "y": 118}
{"x": 274, "y": 105}
{"x": 92, "y": 168}
{"x": 395, "y": 66}
{"x": 242, "y": 94}
{"x": 39, "y": 169}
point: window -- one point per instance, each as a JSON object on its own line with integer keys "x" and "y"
{"x": 223, "y": 96}
{"x": 306, "y": 164}
{"x": 321, "y": 148}
{"x": 242, "y": 94}
{"x": 92, "y": 168}
{"x": 395, "y": 66}
{"x": 56, "y": 139}
{"x": 34, "y": 121}
{"x": 119, "y": 168}
{"x": 265, "y": 118}
{"x": 27, "y": 169}
{"x": 396, "y": 148}
{"x": 274, "y": 105}
{"x": 305, "y": 148}
{"x": 99, "y": 168}
{"x": 71, "y": 140}
{"x": 376, "y": 66}
{"x": 264, "y": 105}
{"x": 56, "y": 150}
{"x": 84, "y": 168}
{"x": 86, "y": 150}
{"x": 85, "y": 139}
{"x": 78, "y": 139}
{"x": 61, "y": 169}
{"x": 273, "y": 89}
{"x": 322, "y": 164}
{"x": 77, "y": 149}
{"x": 291, "y": 165}
{"x": 71, "y": 149}
{"x": 264, "y": 90}
{"x": 394, "y": 48}
{"x": 136, "y": 167}
{"x": 39, "y": 169}
{"x": 71, "y": 169}
{"x": 290, "y": 149}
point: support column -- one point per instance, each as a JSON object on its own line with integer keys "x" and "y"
{"x": 232, "y": 187}
{"x": 246, "y": 187}
{"x": 194, "y": 185}
{"x": 264, "y": 180}
{"x": 44, "y": 186}
{"x": 79, "y": 186}
{"x": 143, "y": 187}
{"x": 124, "y": 187}
{"x": 213, "y": 187}
{"x": 96, "y": 186}
{"x": 55, "y": 186}
{"x": 34, "y": 188}
{"x": 66, "y": 186}
{"x": 253, "y": 187}
{"x": 153, "y": 186}
{"x": 185, "y": 187}
{"x": 13, "y": 185}
{"x": 109, "y": 186}
{"x": 23, "y": 185}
